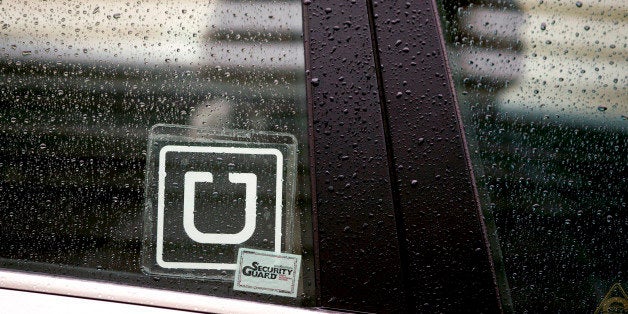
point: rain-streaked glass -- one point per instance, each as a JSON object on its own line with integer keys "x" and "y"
{"x": 542, "y": 86}
{"x": 82, "y": 83}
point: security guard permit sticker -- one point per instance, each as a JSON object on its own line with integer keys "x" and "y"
{"x": 267, "y": 272}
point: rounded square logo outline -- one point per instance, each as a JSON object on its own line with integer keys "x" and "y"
{"x": 211, "y": 149}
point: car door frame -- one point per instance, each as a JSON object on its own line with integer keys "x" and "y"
{"x": 397, "y": 218}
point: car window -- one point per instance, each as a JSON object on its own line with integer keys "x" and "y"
{"x": 113, "y": 111}
{"x": 82, "y": 86}
{"x": 542, "y": 90}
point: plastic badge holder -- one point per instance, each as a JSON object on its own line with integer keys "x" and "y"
{"x": 210, "y": 193}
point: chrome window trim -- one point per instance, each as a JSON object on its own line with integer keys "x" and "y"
{"x": 136, "y": 295}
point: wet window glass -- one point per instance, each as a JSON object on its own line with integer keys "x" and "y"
{"x": 542, "y": 87}
{"x": 83, "y": 83}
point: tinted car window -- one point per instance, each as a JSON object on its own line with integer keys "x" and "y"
{"x": 82, "y": 83}
{"x": 542, "y": 89}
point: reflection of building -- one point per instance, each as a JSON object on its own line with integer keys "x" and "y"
{"x": 257, "y": 54}
{"x": 558, "y": 61}
{"x": 143, "y": 34}
{"x": 233, "y": 54}
{"x": 574, "y": 63}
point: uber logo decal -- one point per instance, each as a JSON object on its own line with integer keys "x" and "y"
{"x": 210, "y": 195}
{"x": 174, "y": 161}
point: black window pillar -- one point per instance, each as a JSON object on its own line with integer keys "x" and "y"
{"x": 397, "y": 220}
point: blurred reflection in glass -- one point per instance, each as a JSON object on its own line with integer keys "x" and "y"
{"x": 83, "y": 82}
{"x": 542, "y": 86}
